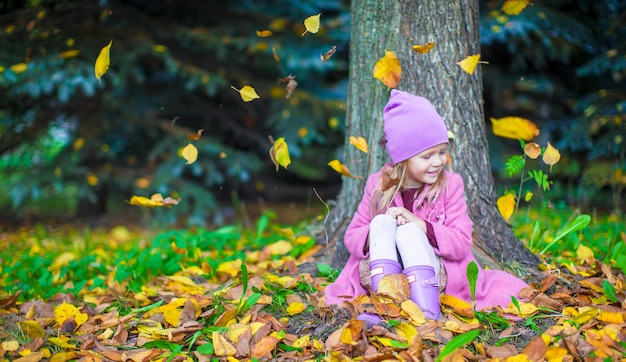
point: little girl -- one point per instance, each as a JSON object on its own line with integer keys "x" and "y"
{"x": 413, "y": 220}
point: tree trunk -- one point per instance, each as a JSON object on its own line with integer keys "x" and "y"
{"x": 396, "y": 25}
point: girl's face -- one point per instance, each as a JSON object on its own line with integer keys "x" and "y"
{"x": 425, "y": 167}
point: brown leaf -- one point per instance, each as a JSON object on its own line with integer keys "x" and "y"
{"x": 388, "y": 182}
{"x": 503, "y": 351}
{"x": 290, "y": 84}
{"x": 532, "y": 150}
{"x": 188, "y": 313}
{"x": 395, "y": 286}
{"x": 536, "y": 349}
{"x": 264, "y": 347}
{"x": 328, "y": 54}
{"x": 195, "y": 136}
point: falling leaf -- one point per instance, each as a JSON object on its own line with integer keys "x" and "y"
{"x": 514, "y": 7}
{"x": 290, "y": 84}
{"x": 324, "y": 57}
{"x": 65, "y": 311}
{"x": 264, "y": 33}
{"x": 276, "y": 57}
{"x": 388, "y": 70}
{"x": 529, "y": 195}
{"x": 155, "y": 200}
{"x": 279, "y": 153}
{"x": 551, "y": 156}
{"x": 514, "y": 128}
{"x": 360, "y": 143}
{"x": 585, "y": 254}
{"x": 72, "y": 53}
{"x": 506, "y": 206}
{"x": 423, "y": 49}
{"x": 190, "y": 153}
{"x": 312, "y": 24}
{"x": 195, "y": 136}
{"x": 247, "y": 93}
{"x": 532, "y": 150}
{"x": 19, "y": 68}
{"x": 469, "y": 64}
{"x": 341, "y": 168}
{"x": 103, "y": 61}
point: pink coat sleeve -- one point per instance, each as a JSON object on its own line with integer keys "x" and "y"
{"x": 454, "y": 235}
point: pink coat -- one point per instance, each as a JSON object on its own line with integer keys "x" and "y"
{"x": 453, "y": 231}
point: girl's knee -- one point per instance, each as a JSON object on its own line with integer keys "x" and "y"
{"x": 411, "y": 233}
{"x": 383, "y": 221}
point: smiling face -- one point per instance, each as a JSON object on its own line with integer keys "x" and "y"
{"x": 425, "y": 167}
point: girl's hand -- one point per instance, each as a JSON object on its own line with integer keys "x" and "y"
{"x": 403, "y": 216}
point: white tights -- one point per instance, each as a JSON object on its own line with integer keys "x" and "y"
{"x": 387, "y": 239}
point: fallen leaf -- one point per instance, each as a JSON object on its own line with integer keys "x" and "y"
{"x": 65, "y": 311}
{"x": 514, "y": 128}
{"x": 190, "y": 154}
{"x": 514, "y": 7}
{"x": 247, "y": 93}
{"x": 469, "y": 64}
{"x": 324, "y": 57}
{"x": 388, "y": 70}
{"x": 360, "y": 143}
{"x": 423, "y": 49}
{"x": 264, "y": 347}
{"x": 221, "y": 346}
{"x": 103, "y": 61}
{"x": 312, "y": 24}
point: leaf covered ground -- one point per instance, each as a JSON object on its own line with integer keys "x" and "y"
{"x": 231, "y": 295}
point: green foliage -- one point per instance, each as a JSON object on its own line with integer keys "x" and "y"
{"x": 472, "y": 277}
{"x": 457, "y": 342}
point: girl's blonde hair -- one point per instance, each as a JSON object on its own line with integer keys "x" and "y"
{"x": 393, "y": 181}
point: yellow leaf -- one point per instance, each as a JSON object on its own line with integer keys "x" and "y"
{"x": 296, "y": 308}
{"x": 413, "y": 311}
{"x": 613, "y": 318}
{"x": 32, "y": 329}
{"x": 551, "y": 155}
{"x": 103, "y": 61}
{"x": 388, "y": 70}
{"x": 528, "y": 196}
{"x": 514, "y": 128}
{"x": 458, "y": 305}
{"x": 469, "y": 64}
{"x": 302, "y": 341}
{"x": 312, "y": 24}
{"x": 247, "y": 93}
{"x": 341, "y": 168}
{"x": 506, "y": 205}
{"x": 525, "y": 309}
{"x": 65, "y": 311}
{"x": 532, "y": 150}
{"x": 282, "y": 248}
{"x": 92, "y": 180}
{"x": 264, "y": 33}
{"x": 360, "y": 143}
{"x": 10, "y": 346}
{"x": 69, "y": 54}
{"x": 61, "y": 342}
{"x": 221, "y": 346}
{"x": 190, "y": 153}
{"x": 144, "y": 201}
{"x": 279, "y": 153}
{"x": 514, "y": 7}
{"x": 19, "y": 68}
{"x": 585, "y": 254}
{"x": 159, "y": 48}
{"x": 423, "y": 49}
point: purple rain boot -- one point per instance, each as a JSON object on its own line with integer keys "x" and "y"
{"x": 424, "y": 289}
{"x": 378, "y": 269}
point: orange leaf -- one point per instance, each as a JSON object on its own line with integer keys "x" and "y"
{"x": 469, "y": 64}
{"x": 423, "y": 49}
{"x": 515, "y": 128}
{"x": 328, "y": 54}
{"x": 532, "y": 150}
{"x": 341, "y": 168}
{"x": 388, "y": 70}
{"x": 264, "y": 347}
{"x": 459, "y": 306}
{"x": 360, "y": 143}
{"x": 195, "y": 136}
{"x": 506, "y": 206}
{"x": 514, "y": 7}
{"x": 551, "y": 155}
{"x": 264, "y": 33}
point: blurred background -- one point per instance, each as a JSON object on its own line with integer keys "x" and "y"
{"x": 74, "y": 146}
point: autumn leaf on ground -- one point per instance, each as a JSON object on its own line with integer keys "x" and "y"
{"x": 469, "y": 64}
{"x": 360, "y": 143}
{"x": 247, "y": 93}
{"x": 190, "y": 154}
{"x": 195, "y": 136}
{"x": 264, "y": 33}
{"x": 156, "y": 200}
{"x": 514, "y": 128}
{"x": 341, "y": 168}
{"x": 66, "y": 311}
{"x": 423, "y": 49}
{"x": 506, "y": 206}
{"x": 514, "y": 7}
{"x": 279, "y": 153}
{"x": 290, "y": 84}
{"x": 312, "y": 24}
{"x": 388, "y": 70}
{"x": 103, "y": 61}
{"x": 532, "y": 150}
{"x": 328, "y": 54}
{"x": 551, "y": 155}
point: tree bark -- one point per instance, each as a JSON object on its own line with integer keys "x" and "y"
{"x": 396, "y": 25}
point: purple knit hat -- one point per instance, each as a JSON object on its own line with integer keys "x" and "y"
{"x": 412, "y": 125}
